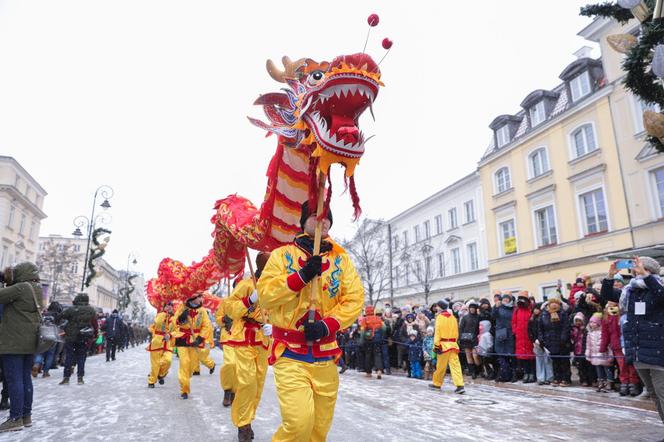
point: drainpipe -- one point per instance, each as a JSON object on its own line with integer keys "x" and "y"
{"x": 389, "y": 248}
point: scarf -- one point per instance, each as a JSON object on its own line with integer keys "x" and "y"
{"x": 553, "y": 308}
{"x": 636, "y": 283}
{"x": 306, "y": 243}
{"x": 508, "y": 304}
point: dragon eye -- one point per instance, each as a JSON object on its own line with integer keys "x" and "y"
{"x": 315, "y": 77}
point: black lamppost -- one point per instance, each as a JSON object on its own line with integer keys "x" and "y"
{"x": 124, "y": 299}
{"x": 105, "y": 192}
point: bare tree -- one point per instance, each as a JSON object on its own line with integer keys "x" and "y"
{"x": 58, "y": 264}
{"x": 368, "y": 250}
{"x": 418, "y": 260}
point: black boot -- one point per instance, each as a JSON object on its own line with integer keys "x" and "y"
{"x": 244, "y": 433}
{"x": 227, "y": 398}
{"x": 635, "y": 390}
{"x": 4, "y": 404}
{"x": 624, "y": 389}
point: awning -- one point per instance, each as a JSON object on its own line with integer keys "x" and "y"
{"x": 656, "y": 251}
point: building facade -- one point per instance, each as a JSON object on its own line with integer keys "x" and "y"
{"x": 61, "y": 261}
{"x": 641, "y": 166}
{"x": 21, "y": 203}
{"x": 438, "y": 246}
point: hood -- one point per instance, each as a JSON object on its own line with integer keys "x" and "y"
{"x": 82, "y": 299}
{"x": 55, "y": 307}
{"x": 486, "y": 326}
{"x": 25, "y": 272}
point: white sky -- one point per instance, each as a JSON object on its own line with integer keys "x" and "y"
{"x": 150, "y": 97}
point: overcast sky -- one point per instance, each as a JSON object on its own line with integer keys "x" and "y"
{"x": 151, "y": 98}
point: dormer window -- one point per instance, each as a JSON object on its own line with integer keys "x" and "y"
{"x": 580, "y": 86}
{"x": 537, "y": 114}
{"x": 503, "y": 135}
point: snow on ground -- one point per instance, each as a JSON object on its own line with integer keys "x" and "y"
{"x": 116, "y": 404}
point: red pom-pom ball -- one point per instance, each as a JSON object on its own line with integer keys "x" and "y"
{"x": 387, "y": 43}
{"x": 373, "y": 20}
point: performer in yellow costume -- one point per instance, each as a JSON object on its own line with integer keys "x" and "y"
{"x": 161, "y": 345}
{"x": 445, "y": 346}
{"x": 192, "y": 326}
{"x": 203, "y": 354}
{"x": 306, "y": 375}
{"x": 249, "y": 339}
{"x": 227, "y": 377}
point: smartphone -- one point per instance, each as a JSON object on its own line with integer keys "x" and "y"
{"x": 625, "y": 264}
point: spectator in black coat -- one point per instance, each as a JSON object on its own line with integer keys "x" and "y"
{"x": 553, "y": 334}
{"x": 113, "y": 329}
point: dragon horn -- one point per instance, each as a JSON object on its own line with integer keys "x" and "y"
{"x": 289, "y": 68}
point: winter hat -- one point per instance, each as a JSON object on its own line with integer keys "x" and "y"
{"x": 523, "y": 294}
{"x": 650, "y": 264}
{"x": 619, "y": 277}
{"x": 508, "y": 296}
{"x": 261, "y": 260}
{"x": 410, "y": 316}
{"x": 579, "y": 281}
{"x": 596, "y": 319}
{"x": 581, "y": 317}
{"x": 472, "y": 303}
{"x": 306, "y": 213}
{"x": 429, "y": 329}
{"x": 484, "y": 301}
{"x": 443, "y": 304}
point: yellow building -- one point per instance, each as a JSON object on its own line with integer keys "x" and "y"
{"x": 552, "y": 185}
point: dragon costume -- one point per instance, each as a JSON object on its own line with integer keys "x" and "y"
{"x": 315, "y": 119}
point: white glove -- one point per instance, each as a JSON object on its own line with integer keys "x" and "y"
{"x": 253, "y": 297}
{"x": 267, "y": 329}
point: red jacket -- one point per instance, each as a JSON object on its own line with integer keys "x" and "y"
{"x": 523, "y": 344}
{"x": 610, "y": 334}
{"x": 572, "y": 292}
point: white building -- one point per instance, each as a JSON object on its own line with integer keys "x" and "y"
{"x": 21, "y": 202}
{"x": 440, "y": 245}
{"x": 104, "y": 288}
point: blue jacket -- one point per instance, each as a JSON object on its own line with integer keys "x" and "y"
{"x": 504, "y": 342}
{"x": 644, "y": 334}
{"x": 414, "y": 350}
{"x": 114, "y": 327}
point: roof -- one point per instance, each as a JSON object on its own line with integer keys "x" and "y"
{"x": 25, "y": 172}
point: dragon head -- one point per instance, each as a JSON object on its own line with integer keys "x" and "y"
{"x": 320, "y": 110}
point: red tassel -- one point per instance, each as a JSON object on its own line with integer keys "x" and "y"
{"x": 328, "y": 197}
{"x": 355, "y": 198}
{"x": 313, "y": 183}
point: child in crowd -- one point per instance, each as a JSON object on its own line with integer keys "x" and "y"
{"x": 611, "y": 341}
{"x": 602, "y": 361}
{"x": 484, "y": 348}
{"x": 415, "y": 354}
{"x": 428, "y": 354}
{"x": 543, "y": 363}
{"x": 578, "y": 337}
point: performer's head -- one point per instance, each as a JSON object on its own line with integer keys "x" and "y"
{"x": 195, "y": 301}
{"x": 261, "y": 260}
{"x": 168, "y": 307}
{"x": 308, "y": 221}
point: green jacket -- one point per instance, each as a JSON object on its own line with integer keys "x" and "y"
{"x": 20, "y": 318}
{"x": 79, "y": 316}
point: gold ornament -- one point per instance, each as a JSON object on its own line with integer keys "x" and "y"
{"x": 622, "y": 43}
{"x": 654, "y": 124}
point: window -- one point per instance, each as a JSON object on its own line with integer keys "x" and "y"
{"x": 539, "y": 163}
{"x": 395, "y": 243}
{"x": 545, "y": 224}
{"x": 427, "y": 267}
{"x": 503, "y": 135}
{"x": 21, "y": 226}
{"x": 32, "y": 230}
{"x": 594, "y": 212}
{"x": 658, "y": 175}
{"x": 503, "y": 182}
{"x": 469, "y": 209}
{"x": 580, "y": 86}
{"x": 452, "y": 215}
{"x": 472, "y": 256}
{"x": 439, "y": 224}
{"x": 3, "y": 260}
{"x": 418, "y": 271}
{"x": 508, "y": 236}
{"x": 537, "y": 114}
{"x": 427, "y": 229}
{"x": 583, "y": 140}
{"x": 548, "y": 291}
{"x": 74, "y": 267}
{"x": 456, "y": 260}
{"x": 405, "y": 238}
{"x": 77, "y": 248}
{"x": 10, "y": 220}
{"x": 441, "y": 265}
{"x": 416, "y": 231}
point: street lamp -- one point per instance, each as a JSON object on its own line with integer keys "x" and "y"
{"x": 105, "y": 192}
{"x": 124, "y": 299}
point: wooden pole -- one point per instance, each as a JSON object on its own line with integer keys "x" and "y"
{"x": 318, "y": 233}
{"x": 228, "y": 286}
{"x": 253, "y": 279}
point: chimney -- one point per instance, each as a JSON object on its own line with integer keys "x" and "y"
{"x": 584, "y": 52}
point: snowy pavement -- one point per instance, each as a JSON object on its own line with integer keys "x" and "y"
{"x": 116, "y": 404}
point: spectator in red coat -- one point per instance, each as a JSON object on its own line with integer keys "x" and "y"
{"x": 611, "y": 340}
{"x": 580, "y": 288}
{"x": 525, "y": 357}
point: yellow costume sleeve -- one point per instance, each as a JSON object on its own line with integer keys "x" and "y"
{"x": 272, "y": 288}
{"x": 237, "y": 304}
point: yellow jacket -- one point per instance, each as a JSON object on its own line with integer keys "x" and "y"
{"x": 447, "y": 332}
{"x": 285, "y": 296}
{"x": 163, "y": 323}
{"x": 196, "y": 324}
{"x": 219, "y": 317}
{"x": 246, "y": 328}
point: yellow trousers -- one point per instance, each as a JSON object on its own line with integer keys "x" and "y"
{"x": 188, "y": 361}
{"x": 204, "y": 358}
{"x": 160, "y": 362}
{"x": 452, "y": 358}
{"x": 251, "y": 368}
{"x": 227, "y": 376}
{"x": 307, "y": 396}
